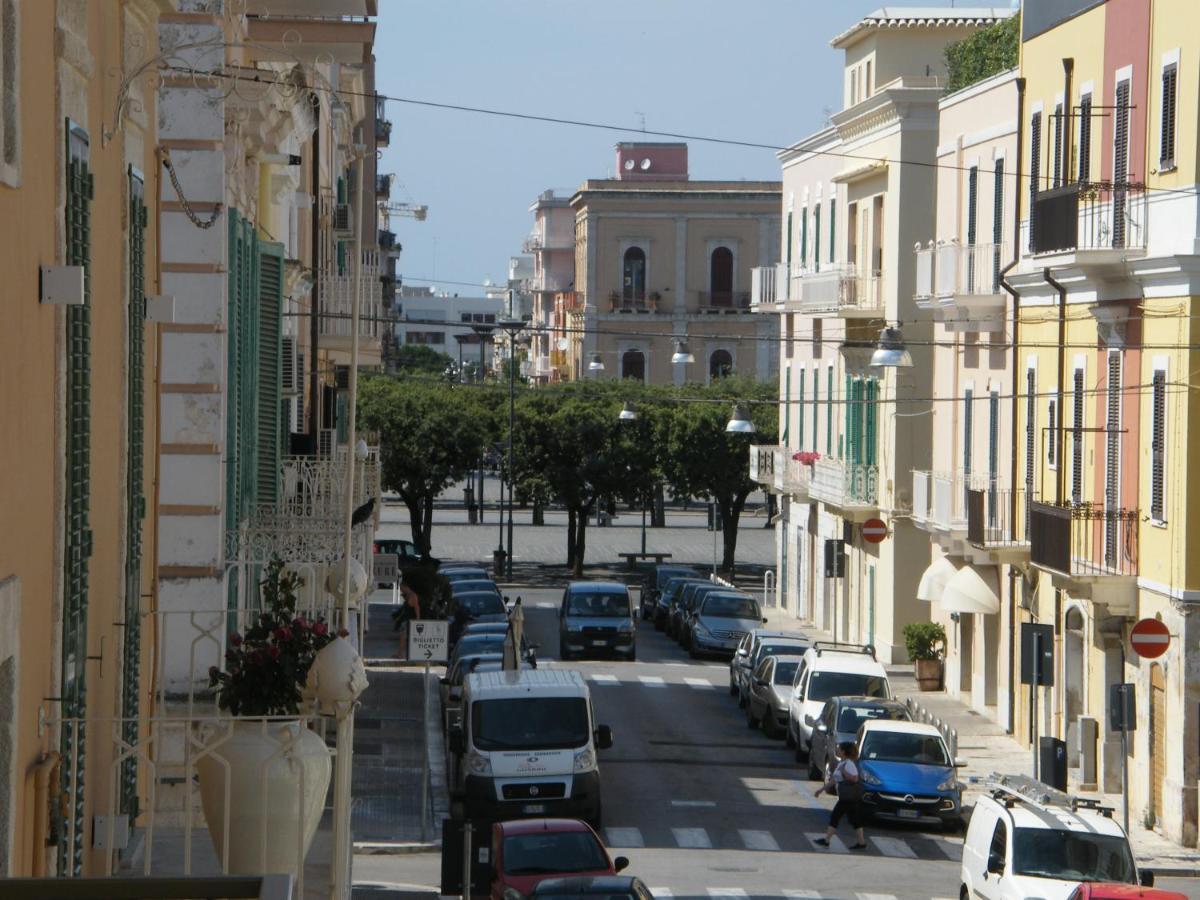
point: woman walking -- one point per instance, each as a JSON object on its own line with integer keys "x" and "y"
{"x": 845, "y": 784}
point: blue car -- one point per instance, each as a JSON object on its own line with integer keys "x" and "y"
{"x": 907, "y": 773}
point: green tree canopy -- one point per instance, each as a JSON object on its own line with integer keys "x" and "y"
{"x": 987, "y": 52}
{"x": 421, "y": 358}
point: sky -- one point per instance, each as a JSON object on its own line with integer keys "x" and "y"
{"x": 754, "y": 70}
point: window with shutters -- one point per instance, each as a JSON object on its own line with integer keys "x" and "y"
{"x": 803, "y": 237}
{"x": 870, "y": 421}
{"x": 10, "y": 93}
{"x": 829, "y": 411}
{"x": 1077, "y": 413}
{"x": 800, "y": 409}
{"x": 1166, "y": 143}
{"x": 1120, "y": 163}
{"x": 1085, "y": 138}
{"x": 77, "y": 540}
{"x": 854, "y": 420}
{"x": 243, "y": 371}
{"x": 1056, "y": 164}
{"x": 270, "y": 370}
{"x": 1035, "y": 169}
{"x": 1052, "y": 433}
{"x": 972, "y": 224}
{"x": 817, "y": 238}
{"x": 993, "y": 453}
{"x": 787, "y": 405}
{"x": 997, "y": 220}
{"x": 968, "y": 427}
{"x": 788, "y": 243}
{"x": 134, "y": 487}
{"x": 1030, "y": 438}
{"x": 1112, "y": 459}
{"x": 816, "y": 406}
{"x": 832, "y": 229}
{"x": 1158, "y": 446}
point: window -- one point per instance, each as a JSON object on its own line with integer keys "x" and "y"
{"x": 633, "y": 277}
{"x": 1035, "y": 172}
{"x": 997, "y": 221}
{"x": 817, "y": 237}
{"x": 993, "y": 453}
{"x": 829, "y": 411}
{"x": 1112, "y": 458}
{"x": 1077, "y": 437}
{"x": 1030, "y": 436}
{"x": 1085, "y": 138}
{"x": 868, "y": 85}
{"x": 1158, "y": 445}
{"x": 968, "y": 428}
{"x": 998, "y": 851}
{"x": 787, "y": 247}
{"x": 972, "y": 223}
{"x": 816, "y": 406}
{"x": 787, "y": 405}
{"x": 1056, "y": 163}
{"x": 1166, "y": 143}
{"x": 720, "y": 277}
{"x": 720, "y": 364}
{"x": 803, "y": 238}
{"x": 789, "y": 344}
{"x": 633, "y": 365}
{"x": 10, "y": 93}
{"x": 800, "y": 406}
{"x": 832, "y": 229}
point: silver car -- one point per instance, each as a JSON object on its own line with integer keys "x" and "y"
{"x": 720, "y": 620}
{"x": 757, "y": 645}
{"x": 770, "y": 691}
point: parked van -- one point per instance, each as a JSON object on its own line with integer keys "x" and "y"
{"x": 828, "y": 670}
{"x": 526, "y": 746}
{"x": 1026, "y": 839}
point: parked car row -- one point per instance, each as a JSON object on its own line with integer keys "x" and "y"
{"x": 705, "y": 617}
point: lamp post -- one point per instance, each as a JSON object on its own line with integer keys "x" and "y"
{"x": 512, "y": 328}
{"x": 483, "y": 331}
{"x": 629, "y": 414}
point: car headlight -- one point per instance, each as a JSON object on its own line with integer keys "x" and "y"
{"x": 511, "y": 893}
{"x": 701, "y": 629}
{"x": 573, "y": 627}
{"x": 478, "y": 764}
{"x": 625, "y": 627}
{"x": 950, "y": 784}
{"x": 585, "y": 760}
{"x": 869, "y": 777}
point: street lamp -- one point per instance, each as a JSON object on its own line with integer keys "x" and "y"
{"x": 512, "y": 328}
{"x": 890, "y": 352}
{"x": 628, "y": 412}
{"x": 740, "y": 422}
{"x": 682, "y": 354}
{"x": 597, "y": 364}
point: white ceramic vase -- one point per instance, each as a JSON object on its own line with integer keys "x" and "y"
{"x": 266, "y": 782}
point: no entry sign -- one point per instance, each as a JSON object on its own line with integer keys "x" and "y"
{"x": 1150, "y": 638}
{"x": 874, "y": 530}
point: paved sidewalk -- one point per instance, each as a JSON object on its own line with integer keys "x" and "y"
{"x": 987, "y": 748}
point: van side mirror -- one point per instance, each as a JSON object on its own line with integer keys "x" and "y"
{"x": 456, "y": 740}
{"x": 620, "y": 863}
{"x": 959, "y": 762}
{"x": 1146, "y": 877}
{"x": 604, "y": 738}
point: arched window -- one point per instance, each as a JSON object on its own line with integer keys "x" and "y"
{"x": 634, "y": 274}
{"x": 720, "y": 276}
{"x": 633, "y": 365}
{"x": 720, "y": 364}
{"x": 1075, "y": 664}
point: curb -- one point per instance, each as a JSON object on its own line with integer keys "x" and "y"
{"x": 1174, "y": 871}
{"x": 398, "y": 848}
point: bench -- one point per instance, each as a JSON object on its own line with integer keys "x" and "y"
{"x": 631, "y": 557}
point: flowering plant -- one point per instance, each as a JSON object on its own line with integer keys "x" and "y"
{"x": 266, "y": 666}
{"x": 807, "y": 457}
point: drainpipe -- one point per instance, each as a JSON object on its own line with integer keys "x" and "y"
{"x": 1068, "y": 118}
{"x": 1015, "y": 419}
{"x": 1060, "y": 472}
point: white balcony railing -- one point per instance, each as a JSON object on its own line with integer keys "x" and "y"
{"x": 768, "y": 285}
{"x": 968, "y": 271}
{"x": 845, "y": 485}
{"x": 841, "y": 290}
{"x": 337, "y": 300}
{"x": 940, "y": 498}
{"x": 796, "y": 476}
{"x": 315, "y": 487}
{"x": 762, "y": 463}
{"x": 924, "y": 257}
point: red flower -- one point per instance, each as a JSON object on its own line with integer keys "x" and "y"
{"x": 320, "y": 628}
{"x": 283, "y": 634}
{"x": 274, "y": 651}
{"x": 300, "y": 623}
{"x": 235, "y": 639}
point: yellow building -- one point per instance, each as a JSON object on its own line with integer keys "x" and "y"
{"x": 78, "y": 533}
{"x": 1107, "y": 348}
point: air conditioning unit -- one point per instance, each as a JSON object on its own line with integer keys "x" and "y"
{"x": 343, "y": 223}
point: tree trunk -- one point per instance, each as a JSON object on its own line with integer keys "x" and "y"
{"x": 770, "y": 510}
{"x": 571, "y": 536}
{"x": 416, "y": 520}
{"x": 731, "y": 512}
{"x": 580, "y": 543}
{"x": 427, "y": 526}
{"x": 539, "y": 513}
{"x": 658, "y": 518}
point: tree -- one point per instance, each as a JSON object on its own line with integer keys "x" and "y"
{"x": 989, "y": 51}
{"x": 431, "y": 435}
{"x": 700, "y": 459}
{"x": 421, "y": 358}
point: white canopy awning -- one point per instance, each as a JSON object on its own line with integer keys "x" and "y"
{"x": 974, "y": 589}
{"x": 934, "y": 580}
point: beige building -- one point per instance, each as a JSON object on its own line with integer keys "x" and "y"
{"x": 659, "y": 258}
{"x": 856, "y": 199}
{"x": 552, "y": 244}
{"x": 965, "y": 498}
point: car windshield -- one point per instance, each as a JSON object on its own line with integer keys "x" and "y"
{"x": 1072, "y": 855}
{"x": 675, "y": 588}
{"x": 465, "y": 575}
{"x": 473, "y": 663}
{"x": 475, "y": 644}
{"x": 549, "y": 852}
{"x": 730, "y": 608}
{"x": 851, "y": 717}
{"x": 611, "y": 605}
{"x": 823, "y": 685}
{"x": 789, "y": 649}
{"x": 474, "y": 584}
{"x": 664, "y": 577}
{"x": 785, "y": 672}
{"x": 900, "y": 746}
{"x": 530, "y": 723}
{"x": 481, "y": 604}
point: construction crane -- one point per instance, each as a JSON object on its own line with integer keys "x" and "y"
{"x": 416, "y": 211}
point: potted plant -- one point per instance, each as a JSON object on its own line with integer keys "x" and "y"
{"x": 926, "y": 646}
{"x": 263, "y": 773}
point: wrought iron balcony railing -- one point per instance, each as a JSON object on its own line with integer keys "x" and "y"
{"x": 845, "y": 485}
{"x": 1084, "y": 540}
{"x": 991, "y": 521}
{"x": 717, "y": 302}
{"x": 1088, "y": 216}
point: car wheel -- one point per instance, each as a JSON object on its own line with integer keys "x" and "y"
{"x": 563, "y": 653}
{"x": 801, "y": 753}
{"x": 632, "y": 657}
{"x": 787, "y": 735}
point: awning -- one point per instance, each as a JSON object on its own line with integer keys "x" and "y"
{"x": 935, "y": 578}
{"x": 975, "y": 589}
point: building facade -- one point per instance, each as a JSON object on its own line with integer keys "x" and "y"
{"x": 660, "y": 258}
{"x": 445, "y": 323}
{"x": 552, "y": 243}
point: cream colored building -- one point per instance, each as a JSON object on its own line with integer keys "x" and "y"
{"x": 659, "y": 257}
{"x": 856, "y": 199}
{"x": 552, "y": 243}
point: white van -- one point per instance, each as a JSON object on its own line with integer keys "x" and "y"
{"x": 827, "y": 670}
{"x": 1029, "y": 840}
{"x": 526, "y": 746}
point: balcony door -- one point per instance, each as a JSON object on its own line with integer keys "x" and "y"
{"x": 634, "y": 274}
{"x": 720, "y": 277}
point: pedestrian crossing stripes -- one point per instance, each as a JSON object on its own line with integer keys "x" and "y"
{"x": 661, "y": 892}
{"x": 890, "y": 846}
{"x": 700, "y": 684}
{"x": 736, "y": 893}
{"x": 624, "y": 837}
{"x": 654, "y": 681}
{"x": 692, "y": 838}
{"x": 602, "y": 679}
{"x": 835, "y": 843}
{"x": 758, "y": 840}
{"x": 802, "y": 895}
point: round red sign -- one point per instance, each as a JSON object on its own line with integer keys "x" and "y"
{"x": 874, "y": 530}
{"x": 1150, "y": 638}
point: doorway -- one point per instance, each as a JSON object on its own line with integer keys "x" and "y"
{"x": 1158, "y": 739}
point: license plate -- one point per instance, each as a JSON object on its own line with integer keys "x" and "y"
{"x": 908, "y": 814}
{"x": 599, "y": 643}
{"x": 534, "y": 808}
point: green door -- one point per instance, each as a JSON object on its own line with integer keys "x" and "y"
{"x": 77, "y": 540}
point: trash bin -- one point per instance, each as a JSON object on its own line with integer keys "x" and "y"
{"x": 498, "y": 559}
{"x": 1052, "y": 762}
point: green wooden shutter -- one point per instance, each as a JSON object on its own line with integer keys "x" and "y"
{"x": 816, "y": 408}
{"x": 789, "y": 243}
{"x": 803, "y": 237}
{"x": 829, "y": 411}
{"x": 800, "y": 407}
{"x": 135, "y": 492}
{"x": 817, "y": 237}
{"x": 787, "y": 404}
{"x": 871, "y": 415}
{"x": 968, "y": 428}
{"x": 77, "y": 539}
{"x": 832, "y": 229}
{"x": 270, "y": 384}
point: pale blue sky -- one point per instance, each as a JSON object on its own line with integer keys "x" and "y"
{"x": 757, "y": 70}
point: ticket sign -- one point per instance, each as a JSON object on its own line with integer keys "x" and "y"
{"x": 428, "y": 640}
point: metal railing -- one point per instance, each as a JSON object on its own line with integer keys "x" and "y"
{"x": 222, "y": 887}
{"x": 991, "y": 523}
{"x": 315, "y": 487}
{"x": 1088, "y": 216}
{"x": 924, "y": 280}
{"x": 840, "y": 290}
{"x": 843, "y": 484}
{"x": 723, "y": 301}
{"x": 768, "y": 285}
{"x": 383, "y": 132}
{"x": 337, "y": 300}
{"x": 920, "y": 714}
{"x": 1084, "y": 540}
{"x": 632, "y": 304}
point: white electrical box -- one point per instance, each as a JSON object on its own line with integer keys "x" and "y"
{"x": 62, "y": 285}
{"x": 160, "y": 308}
{"x": 100, "y": 832}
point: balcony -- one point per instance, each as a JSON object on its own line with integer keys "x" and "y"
{"x": 315, "y": 487}
{"x": 850, "y": 487}
{"x": 961, "y": 284}
{"x": 722, "y": 302}
{"x": 994, "y": 528}
{"x": 387, "y": 239}
{"x": 643, "y": 305}
{"x": 940, "y": 505}
{"x": 762, "y": 463}
{"x": 1088, "y": 549}
{"x": 337, "y": 304}
{"x": 383, "y": 187}
{"x": 537, "y": 240}
{"x": 841, "y": 292}
{"x": 1097, "y": 223}
{"x": 768, "y": 286}
{"x": 796, "y": 477}
{"x": 383, "y": 132}
{"x": 549, "y": 283}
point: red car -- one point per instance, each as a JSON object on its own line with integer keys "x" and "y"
{"x": 527, "y": 851}
{"x": 1091, "y": 890}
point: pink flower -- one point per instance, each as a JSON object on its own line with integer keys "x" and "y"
{"x": 320, "y": 628}
{"x": 300, "y": 623}
{"x": 283, "y": 634}
{"x": 273, "y": 651}
{"x": 235, "y": 639}
{"x": 343, "y": 633}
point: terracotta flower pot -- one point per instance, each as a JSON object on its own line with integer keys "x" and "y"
{"x": 929, "y": 674}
